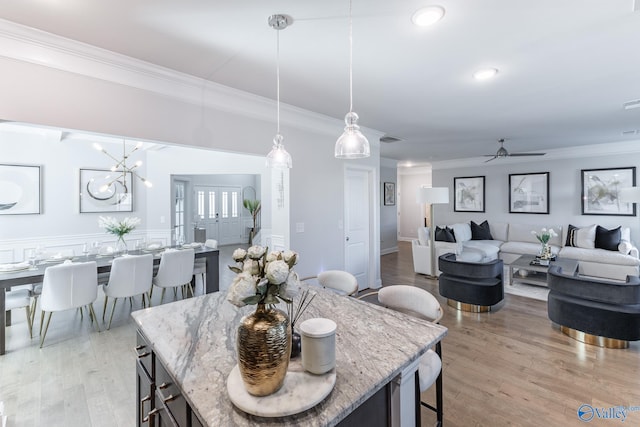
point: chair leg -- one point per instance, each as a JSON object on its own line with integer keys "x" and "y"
{"x": 29, "y": 323}
{"x": 104, "y": 307}
{"x": 46, "y": 328}
{"x": 41, "y": 320}
{"x": 93, "y": 316}
{"x": 34, "y": 305}
{"x": 439, "y": 397}
{"x": 131, "y": 302}
{"x": 149, "y": 298}
{"x": 113, "y": 309}
{"x": 162, "y": 295}
{"x": 418, "y": 403}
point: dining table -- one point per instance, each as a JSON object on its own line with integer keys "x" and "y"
{"x": 35, "y": 274}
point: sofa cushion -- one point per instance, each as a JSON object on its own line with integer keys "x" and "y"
{"x": 480, "y": 231}
{"x": 526, "y": 248}
{"x": 523, "y": 233}
{"x": 607, "y": 239}
{"x": 462, "y": 232}
{"x": 601, "y": 256}
{"x": 581, "y": 237}
{"x": 444, "y": 235}
{"x": 499, "y": 231}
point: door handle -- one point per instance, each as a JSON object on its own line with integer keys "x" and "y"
{"x": 347, "y": 238}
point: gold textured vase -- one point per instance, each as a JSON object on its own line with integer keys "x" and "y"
{"x": 264, "y": 347}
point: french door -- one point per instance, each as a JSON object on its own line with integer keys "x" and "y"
{"x": 218, "y": 210}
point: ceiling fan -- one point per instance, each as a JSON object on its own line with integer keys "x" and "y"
{"x": 502, "y": 152}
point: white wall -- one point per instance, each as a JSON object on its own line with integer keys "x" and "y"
{"x": 411, "y": 213}
{"x": 564, "y": 198}
{"x": 388, "y": 214}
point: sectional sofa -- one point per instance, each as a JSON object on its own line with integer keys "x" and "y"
{"x": 511, "y": 240}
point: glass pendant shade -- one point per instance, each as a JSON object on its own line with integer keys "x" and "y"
{"x": 278, "y": 157}
{"x": 352, "y": 144}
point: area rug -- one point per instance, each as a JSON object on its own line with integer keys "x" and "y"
{"x": 529, "y": 291}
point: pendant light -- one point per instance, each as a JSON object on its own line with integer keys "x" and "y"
{"x": 278, "y": 157}
{"x": 352, "y": 144}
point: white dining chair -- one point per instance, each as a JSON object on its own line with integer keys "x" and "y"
{"x": 341, "y": 282}
{"x": 129, "y": 276}
{"x": 19, "y": 298}
{"x": 66, "y": 286}
{"x": 175, "y": 270}
{"x": 419, "y": 303}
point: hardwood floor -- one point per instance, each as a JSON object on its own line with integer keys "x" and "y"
{"x": 513, "y": 367}
{"x": 507, "y": 367}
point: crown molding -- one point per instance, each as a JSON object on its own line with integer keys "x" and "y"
{"x": 26, "y": 44}
{"x": 583, "y": 151}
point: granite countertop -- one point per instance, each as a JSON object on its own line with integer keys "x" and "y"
{"x": 195, "y": 340}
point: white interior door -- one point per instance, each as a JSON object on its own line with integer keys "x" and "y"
{"x": 229, "y": 221}
{"x": 357, "y": 225}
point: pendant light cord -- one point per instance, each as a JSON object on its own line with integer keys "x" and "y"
{"x": 278, "y": 79}
{"x": 350, "y": 58}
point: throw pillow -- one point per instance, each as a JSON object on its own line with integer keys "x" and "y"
{"x": 586, "y": 237}
{"x": 624, "y": 247}
{"x": 480, "y": 231}
{"x": 444, "y": 235}
{"x": 607, "y": 239}
{"x": 571, "y": 236}
{"x": 582, "y": 237}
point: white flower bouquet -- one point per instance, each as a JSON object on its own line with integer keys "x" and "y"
{"x": 263, "y": 277}
{"x": 118, "y": 228}
{"x": 545, "y": 235}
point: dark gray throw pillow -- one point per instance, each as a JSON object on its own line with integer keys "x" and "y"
{"x": 444, "y": 235}
{"x": 480, "y": 231}
{"x": 608, "y": 239}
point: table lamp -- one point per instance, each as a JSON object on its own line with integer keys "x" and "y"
{"x": 431, "y": 196}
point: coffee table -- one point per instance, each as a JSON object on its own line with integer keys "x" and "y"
{"x": 537, "y": 274}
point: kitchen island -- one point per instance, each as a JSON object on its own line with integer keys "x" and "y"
{"x": 186, "y": 351}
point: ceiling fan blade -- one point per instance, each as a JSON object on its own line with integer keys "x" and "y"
{"x": 492, "y": 158}
{"x": 526, "y": 154}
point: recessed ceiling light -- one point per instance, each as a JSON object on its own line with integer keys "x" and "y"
{"x": 485, "y": 73}
{"x": 428, "y": 16}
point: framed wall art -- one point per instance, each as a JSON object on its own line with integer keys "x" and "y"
{"x": 469, "y": 194}
{"x": 529, "y": 193}
{"x": 389, "y": 193}
{"x": 20, "y": 190}
{"x": 105, "y": 191}
{"x": 600, "y": 189}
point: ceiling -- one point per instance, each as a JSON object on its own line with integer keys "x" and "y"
{"x": 565, "y": 66}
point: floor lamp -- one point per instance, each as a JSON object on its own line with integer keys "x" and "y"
{"x": 431, "y": 196}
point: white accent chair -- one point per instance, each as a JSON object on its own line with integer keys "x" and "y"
{"x": 130, "y": 276}
{"x": 19, "y": 298}
{"x": 341, "y": 282}
{"x": 419, "y": 303}
{"x": 175, "y": 270}
{"x": 66, "y": 286}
